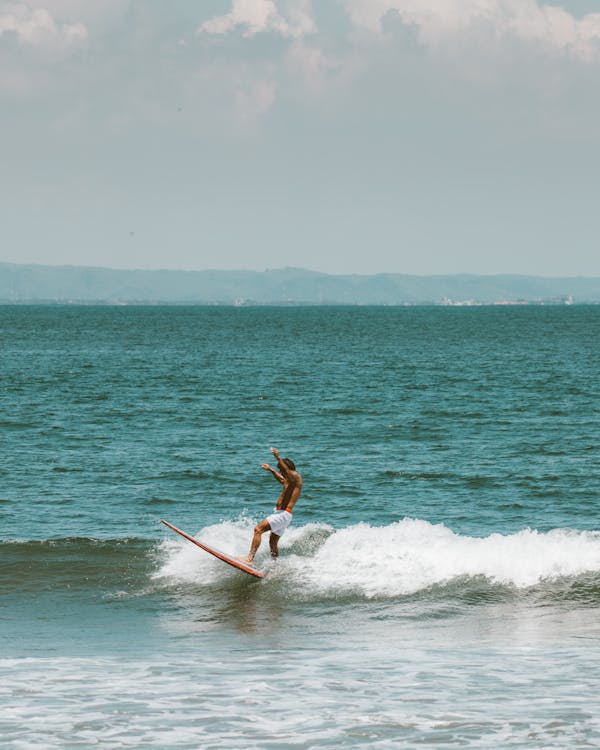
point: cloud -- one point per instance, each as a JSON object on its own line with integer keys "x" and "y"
{"x": 260, "y": 16}
{"x": 36, "y": 27}
{"x": 491, "y": 44}
{"x": 443, "y": 22}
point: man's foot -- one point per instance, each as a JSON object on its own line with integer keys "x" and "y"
{"x": 247, "y": 560}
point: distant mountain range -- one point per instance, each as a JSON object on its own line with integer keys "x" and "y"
{"x": 287, "y": 286}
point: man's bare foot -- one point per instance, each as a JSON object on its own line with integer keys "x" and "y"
{"x": 247, "y": 560}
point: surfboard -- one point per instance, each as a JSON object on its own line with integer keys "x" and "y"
{"x": 219, "y": 555}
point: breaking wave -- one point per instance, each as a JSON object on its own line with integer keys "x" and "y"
{"x": 401, "y": 559}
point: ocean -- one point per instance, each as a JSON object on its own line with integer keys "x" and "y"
{"x": 439, "y": 586}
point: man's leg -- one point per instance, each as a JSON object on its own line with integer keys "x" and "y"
{"x": 273, "y": 542}
{"x": 259, "y": 530}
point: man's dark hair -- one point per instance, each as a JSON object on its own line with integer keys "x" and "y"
{"x": 289, "y": 463}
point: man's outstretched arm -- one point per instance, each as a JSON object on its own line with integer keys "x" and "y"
{"x": 277, "y": 476}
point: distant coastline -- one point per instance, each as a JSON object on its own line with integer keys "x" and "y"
{"x": 81, "y": 285}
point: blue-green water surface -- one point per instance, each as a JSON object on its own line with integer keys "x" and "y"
{"x": 440, "y": 583}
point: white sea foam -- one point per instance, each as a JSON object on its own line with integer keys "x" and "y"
{"x": 412, "y": 555}
{"x": 183, "y": 561}
{"x": 402, "y": 558}
{"x": 379, "y": 695}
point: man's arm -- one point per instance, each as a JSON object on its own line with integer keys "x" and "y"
{"x": 280, "y": 465}
{"x": 277, "y": 476}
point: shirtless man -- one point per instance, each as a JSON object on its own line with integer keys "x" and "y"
{"x": 281, "y": 517}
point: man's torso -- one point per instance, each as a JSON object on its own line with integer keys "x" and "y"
{"x": 291, "y": 492}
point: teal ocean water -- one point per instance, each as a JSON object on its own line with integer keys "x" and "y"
{"x": 440, "y": 583}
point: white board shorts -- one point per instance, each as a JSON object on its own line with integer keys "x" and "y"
{"x": 279, "y": 520}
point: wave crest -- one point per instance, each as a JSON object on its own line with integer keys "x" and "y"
{"x": 401, "y": 559}
{"x": 413, "y": 555}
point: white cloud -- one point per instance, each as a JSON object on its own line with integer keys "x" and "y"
{"x": 258, "y": 16}
{"x": 440, "y": 22}
{"x": 37, "y": 27}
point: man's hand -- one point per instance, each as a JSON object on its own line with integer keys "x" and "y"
{"x": 266, "y": 467}
{"x": 275, "y": 452}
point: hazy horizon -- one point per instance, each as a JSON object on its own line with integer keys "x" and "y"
{"x": 167, "y": 269}
{"x": 19, "y": 283}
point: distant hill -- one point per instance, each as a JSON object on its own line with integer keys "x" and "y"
{"x": 287, "y": 286}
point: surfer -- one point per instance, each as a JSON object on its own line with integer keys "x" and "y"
{"x": 281, "y": 517}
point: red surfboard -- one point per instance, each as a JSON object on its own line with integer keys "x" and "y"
{"x": 220, "y": 555}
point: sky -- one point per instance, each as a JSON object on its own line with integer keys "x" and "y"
{"x": 342, "y": 136}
